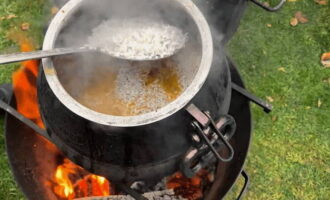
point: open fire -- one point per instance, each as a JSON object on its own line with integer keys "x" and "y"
{"x": 69, "y": 180}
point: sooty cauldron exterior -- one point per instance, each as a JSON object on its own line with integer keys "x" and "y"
{"x": 130, "y": 153}
{"x": 125, "y": 154}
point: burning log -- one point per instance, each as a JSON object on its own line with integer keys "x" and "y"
{"x": 157, "y": 195}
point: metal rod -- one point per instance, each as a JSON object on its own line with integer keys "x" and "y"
{"x": 265, "y": 105}
{"x": 130, "y": 191}
{"x": 23, "y": 119}
{"x": 33, "y": 55}
{"x": 245, "y": 186}
{"x": 268, "y": 8}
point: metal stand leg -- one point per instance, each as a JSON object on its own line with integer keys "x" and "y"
{"x": 265, "y": 105}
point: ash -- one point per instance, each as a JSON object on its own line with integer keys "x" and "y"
{"x": 158, "y": 195}
{"x": 137, "y": 39}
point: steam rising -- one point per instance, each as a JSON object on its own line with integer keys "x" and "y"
{"x": 78, "y": 73}
{"x": 137, "y": 39}
{"x": 95, "y": 21}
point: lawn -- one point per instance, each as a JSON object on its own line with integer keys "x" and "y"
{"x": 290, "y": 151}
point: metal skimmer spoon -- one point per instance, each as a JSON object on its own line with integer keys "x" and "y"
{"x": 23, "y": 56}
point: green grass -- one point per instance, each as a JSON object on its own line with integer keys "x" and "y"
{"x": 290, "y": 154}
{"x": 290, "y": 151}
{"x": 33, "y": 13}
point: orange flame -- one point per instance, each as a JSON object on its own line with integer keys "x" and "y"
{"x": 69, "y": 187}
{"x": 25, "y": 82}
{"x": 64, "y": 187}
{"x": 25, "y": 90}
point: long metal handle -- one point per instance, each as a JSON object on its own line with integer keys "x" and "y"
{"x": 23, "y": 119}
{"x": 245, "y": 186}
{"x": 22, "y": 56}
{"x": 265, "y": 105}
{"x": 268, "y": 8}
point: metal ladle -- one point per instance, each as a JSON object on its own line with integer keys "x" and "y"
{"x": 23, "y": 56}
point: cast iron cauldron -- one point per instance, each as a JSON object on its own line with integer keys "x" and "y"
{"x": 142, "y": 147}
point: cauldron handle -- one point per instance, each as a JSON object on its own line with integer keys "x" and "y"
{"x": 208, "y": 134}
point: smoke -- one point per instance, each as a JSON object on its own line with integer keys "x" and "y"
{"x": 77, "y": 71}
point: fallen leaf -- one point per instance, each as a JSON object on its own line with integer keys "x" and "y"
{"x": 300, "y": 17}
{"x": 274, "y": 118}
{"x": 294, "y": 21}
{"x": 270, "y": 99}
{"x": 281, "y": 69}
{"x": 25, "y": 26}
{"x": 325, "y": 60}
{"x": 319, "y": 103}
{"x": 11, "y": 16}
{"x": 54, "y": 10}
{"x": 326, "y": 80}
{"x": 321, "y": 2}
{"x": 269, "y": 25}
{"x": 292, "y": 0}
{"x": 266, "y": 4}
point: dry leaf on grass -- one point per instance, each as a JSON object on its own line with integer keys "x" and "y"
{"x": 294, "y": 21}
{"x": 300, "y": 17}
{"x": 269, "y": 25}
{"x": 25, "y": 26}
{"x": 319, "y": 103}
{"x": 54, "y": 10}
{"x": 266, "y": 4}
{"x": 274, "y": 118}
{"x": 281, "y": 69}
{"x": 11, "y": 16}
{"x": 325, "y": 60}
{"x": 321, "y": 2}
{"x": 270, "y": 99}
{"x": 326, "y": 80}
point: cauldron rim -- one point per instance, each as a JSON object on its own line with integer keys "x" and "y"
{"x": 129, "y": 121}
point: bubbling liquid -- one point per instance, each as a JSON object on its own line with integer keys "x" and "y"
{"x": 133, "y": 89}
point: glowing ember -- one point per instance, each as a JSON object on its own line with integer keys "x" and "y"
{"x": 190, "y": 188}
{"x": 71, "y": 181}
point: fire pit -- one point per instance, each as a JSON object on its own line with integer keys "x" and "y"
{"x": 34, "y": 160}
{"x": 201, "y": 161}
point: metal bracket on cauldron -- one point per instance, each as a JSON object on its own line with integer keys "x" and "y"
{"x": 265, "y": 105}
{"x": 267, "y": 7}
{"x": 210, "y": 137}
